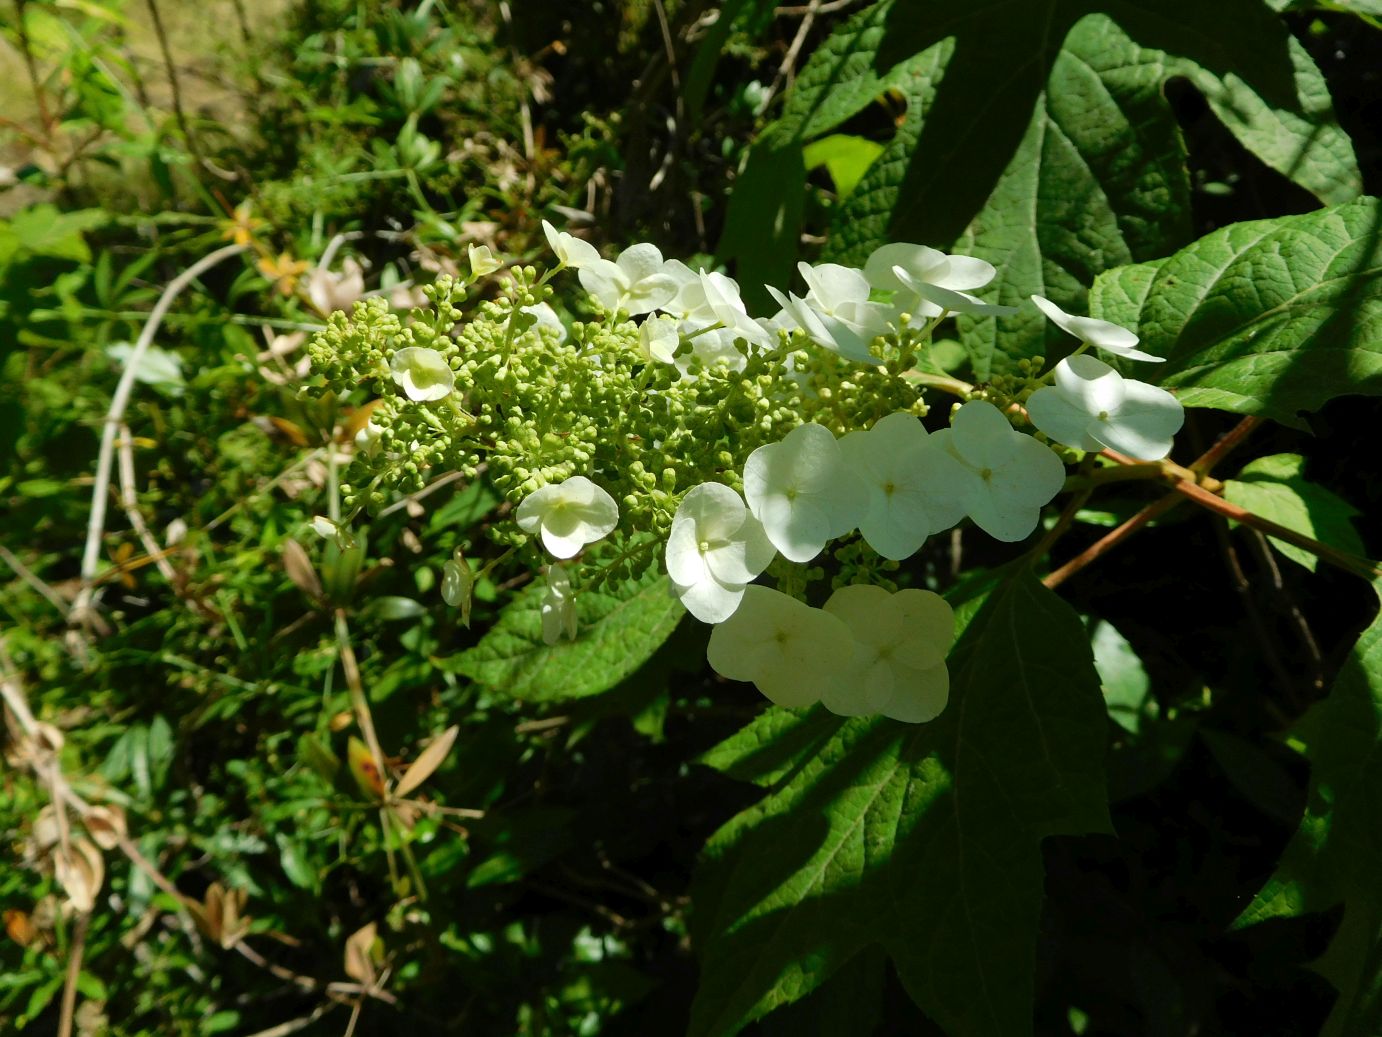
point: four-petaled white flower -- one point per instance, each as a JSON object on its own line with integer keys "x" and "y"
{"x": 927, "y": 282}
{"x": 558, "y": 609}
{"x": 792, "y": 652}
{"x": 803, "y": 492}
{"x": 571, "y": 251}
{"x": 903, "y": 471}
{"x": 836, "y": 312}
{"x": 898, "y": 665}
{"x": 422, "y": 373}
{"x": 569, "y": 515}
{"x": 1005, "y": 477}
{"x": 715, "y": 548}
{"x": 1092, "y": 406}
{"x": 635, "y": 283}
{"x": 1101, "y": 334}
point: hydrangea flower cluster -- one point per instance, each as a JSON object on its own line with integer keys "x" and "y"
{"x": 679, "y": 430}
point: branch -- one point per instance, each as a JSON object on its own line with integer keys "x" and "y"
{"x": 100, "y": 491}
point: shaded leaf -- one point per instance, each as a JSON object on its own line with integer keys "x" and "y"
{"x": 1336, "y": 855}
{"x": 1276, "y": 488}
{"x": 1269, "y": 317}
{"x": 924, "y": 840}
{"x": 619, "y": 631}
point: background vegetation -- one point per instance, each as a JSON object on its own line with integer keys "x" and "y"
{"x": 590, "y": 854}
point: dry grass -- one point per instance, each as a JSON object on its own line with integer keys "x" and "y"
{"x": 207, "y": 43}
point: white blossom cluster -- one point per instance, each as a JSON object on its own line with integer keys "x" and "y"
{"x": 866, "y": 650}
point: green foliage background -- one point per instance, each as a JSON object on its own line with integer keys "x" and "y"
{"x": 618, "y": 842}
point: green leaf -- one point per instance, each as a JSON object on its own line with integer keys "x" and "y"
{"x": 618, "y": 633}
{"x": 1072, "y": 161}
{"x": 1270, "y": 317}
{"x": 1122, "y": 676}
{"x": 44, "y": 230}
{"x": 1336, "y": 855}
{"x": 763, "y": 219}
{"x": 924, "y": 840}
{"x": 1276, "y": 488}
{"x": 845, "y": 157}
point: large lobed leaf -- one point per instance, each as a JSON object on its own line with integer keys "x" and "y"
{"x": 1269, "y": 317}
{"x": 922, "y": 840}
{"x": 1038, "y": 137}
{"x": 1336, "y": 856}
{"x": 620, "y": 629}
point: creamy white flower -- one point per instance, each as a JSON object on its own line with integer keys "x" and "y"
{"x": 422, "y": 373}
{"x": 715, "y": 548}
{"x": 568, "y": 515}
{"x": 902, "y": 469}
{"x": 836, "y": 312}
{"x": 1098, "y": 333}
{"x": 1004, "y": 477}
{"x": 927, "y": 265}
{"x": 900, "y": 643}
{"x": 367, "y": 439}
{"x": 558, "y": 609}
{"x": 941, "y": 300}
{"x": 803, "y": 492}
{"x": 713, "y": 298}
{"x": 570, "y": 251}
{"x": 658, "y": 338}
{"x": 792, "y": 652}
{"x": 482, "y": 261}
{"x": 634, "y": 283}
{"x": 1092, "y": 406}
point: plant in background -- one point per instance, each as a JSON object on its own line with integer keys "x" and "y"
{"x": 368, "y": 700}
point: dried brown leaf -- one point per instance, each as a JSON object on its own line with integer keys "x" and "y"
{"x": 428, "y": 761}
{"x": 300, "y": 570}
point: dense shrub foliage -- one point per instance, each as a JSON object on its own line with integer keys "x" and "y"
{"x": 639, "y": 518}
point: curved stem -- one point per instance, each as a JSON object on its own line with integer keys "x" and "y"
{"x": 100, "y": 491}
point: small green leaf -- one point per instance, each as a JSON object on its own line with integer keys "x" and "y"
{"x": 1276, "y": 488}
{"x": 1125, "y": 682}
{"x": 619, "y": 631}
{"x": 845, "y": 157}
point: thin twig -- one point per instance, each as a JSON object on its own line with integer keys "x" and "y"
{"x": 1211, "y": 457}
{"x": 1112, "y": 539}
{"x": 294, "y": 1025}
{"x": 114, "y": 416}
{"x": 1340, "y": 559}
{"x": 25, "y": 574}
{"x": 74, "y": 972}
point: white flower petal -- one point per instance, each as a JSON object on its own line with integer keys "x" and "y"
{"x": 1090, "y": 382}
{"x": 1099, "y": 333}
{"x": 918, "y": 695}
{"x": 791, "y": 651}
{"x": 709, "y": 600}
{"x": 982, "y": 435}
{"x": 1146, "y": 423}
{"x": 422, "y": 373}
{"x": 1061, "y": 418}
{"x": 921, "y": 262}
{"x": 951, "y": 301}
{"x": 640, "y": 261}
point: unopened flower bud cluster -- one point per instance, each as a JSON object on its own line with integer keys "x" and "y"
{"x": 680, "y": 426}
